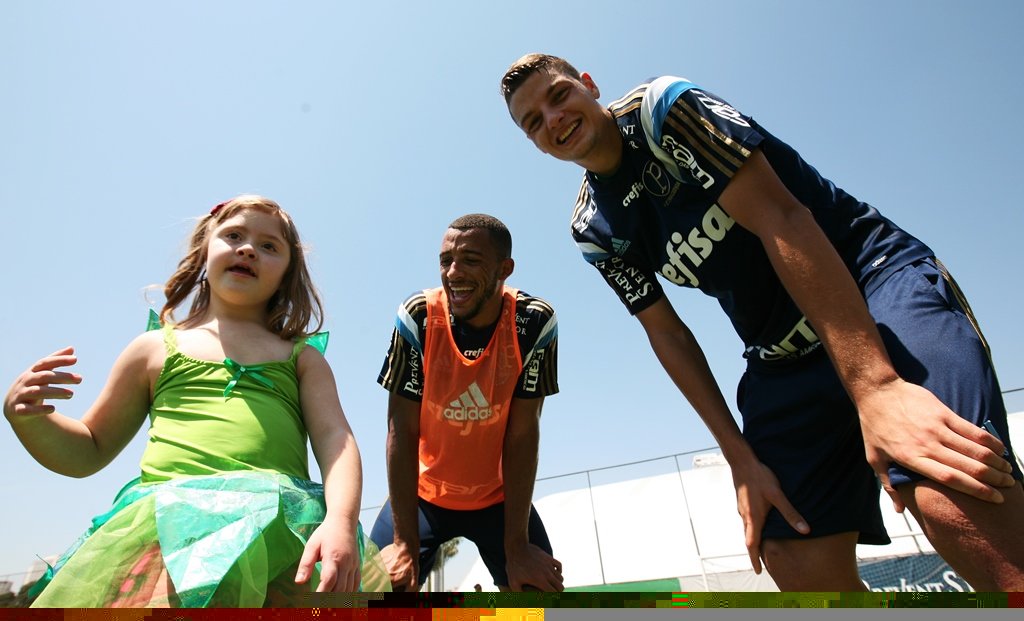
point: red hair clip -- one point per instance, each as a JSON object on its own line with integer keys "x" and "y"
{"x": 214, "y": 211}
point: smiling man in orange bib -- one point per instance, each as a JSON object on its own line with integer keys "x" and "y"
{"x": 468, "y": 369}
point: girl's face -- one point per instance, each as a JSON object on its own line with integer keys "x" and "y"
{"x": 247, "y": 258}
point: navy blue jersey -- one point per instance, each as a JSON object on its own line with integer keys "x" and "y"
{"x": 658, "y": 214}
{"x": 536, "y": 329}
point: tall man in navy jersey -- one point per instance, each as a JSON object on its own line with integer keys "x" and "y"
{"x": 863, "y": 357}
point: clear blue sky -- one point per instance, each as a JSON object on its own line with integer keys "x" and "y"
{"x": 375, "y": 124}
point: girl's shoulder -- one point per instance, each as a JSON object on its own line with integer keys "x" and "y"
{"x": 148, "y": 342}
{"x": 309, "y": 353}
{"x": 147, "y": 349}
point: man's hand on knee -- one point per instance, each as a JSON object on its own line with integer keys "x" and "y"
{"x": 402, "y": 566}
{"x": 906, "y": 424}
{"x": 532, "y": 569}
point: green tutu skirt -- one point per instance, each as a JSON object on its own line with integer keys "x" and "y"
{"x": 228, "y": 540}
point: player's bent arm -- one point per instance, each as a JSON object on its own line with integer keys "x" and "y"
{"x": 812, "y": 272}
{"x": 757, "y": 489}
{"x": 527, "y": 565}
{"x": 334, "y": 541}
{"x": 684, "y": 361}
{"x": 403, "y": 473}
{"x": 519, "y": 468}
{"x": 79, "y": 448}
{"x": 901, "y": 422}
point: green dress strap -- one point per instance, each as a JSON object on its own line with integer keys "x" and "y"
{"x": 154, "y": 324}
{"x": 317, "y": 341}
{"x": 154, "y": 321}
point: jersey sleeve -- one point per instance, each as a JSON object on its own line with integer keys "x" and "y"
{"x": 537, "y": 330}
{"x": 402, "y": 371}
{"x": 635, "y": 285}
{"x": 698, "y": 136}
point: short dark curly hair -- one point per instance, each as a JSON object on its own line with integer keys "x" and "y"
{"x": 499, "y": 232}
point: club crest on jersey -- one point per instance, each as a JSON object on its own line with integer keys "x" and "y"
{"x": 656, "y": 180}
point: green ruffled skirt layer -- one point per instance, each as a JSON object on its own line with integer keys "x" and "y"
{"x": 229, "y": 540}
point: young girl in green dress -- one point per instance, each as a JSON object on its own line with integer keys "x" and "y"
{"x": 224, "y": 513}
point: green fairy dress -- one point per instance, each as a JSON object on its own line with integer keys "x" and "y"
{"x": 224, "y": 505}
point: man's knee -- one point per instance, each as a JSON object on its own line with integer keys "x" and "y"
{"x": 814, "y": 563}
{"x": 977, "y": 538}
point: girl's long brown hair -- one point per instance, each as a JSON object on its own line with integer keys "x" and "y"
{"x": 291, "y": 311}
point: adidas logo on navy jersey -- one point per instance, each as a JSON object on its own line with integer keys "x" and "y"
{"x": 620, "y": 245}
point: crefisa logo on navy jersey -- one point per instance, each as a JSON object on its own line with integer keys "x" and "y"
{"x": 686, "y": 253}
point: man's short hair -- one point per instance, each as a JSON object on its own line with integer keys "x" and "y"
{"x": 499, "y": 232}
{"x": 531, "y": 64}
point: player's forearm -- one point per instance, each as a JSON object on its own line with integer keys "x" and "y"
{"x": 403, "y": 476}
{"x": 824, "y": 290}
{"x": 519, "y": 471}
{"x": 683, "y": 359}
{"x": 812, "y": 272}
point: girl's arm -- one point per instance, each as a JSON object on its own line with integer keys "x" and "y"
{"x": 78, "y": 448}
{"x": 333, "y": 543}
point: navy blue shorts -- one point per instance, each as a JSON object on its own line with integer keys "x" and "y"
{"x": 933, "y": 340}
{"x": 801, "y": 423}
{"x": 484, "y": 527}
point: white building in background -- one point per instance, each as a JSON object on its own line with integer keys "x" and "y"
{"x": 680, "y": 532}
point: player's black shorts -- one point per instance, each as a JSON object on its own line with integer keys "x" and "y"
{"x": 802, "y": 425}
{"x": 484, "y": 527}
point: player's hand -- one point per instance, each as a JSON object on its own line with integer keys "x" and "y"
{"x": 334, "y": 544}
{"x": 403, "y": 567}
{"x": 905, "y": 423}
{"x": 757, "y": 491}
{"x": 530, "y": 568}
{"x": 41, "y": 381}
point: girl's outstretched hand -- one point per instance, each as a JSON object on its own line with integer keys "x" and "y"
{"x": 333, "y": 543}
{"x": 28, "y": 393}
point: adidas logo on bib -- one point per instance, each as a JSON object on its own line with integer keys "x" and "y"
{"x": 471, "y": 405}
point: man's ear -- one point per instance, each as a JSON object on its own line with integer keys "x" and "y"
{"x": 591, "y": 85}
{"x": 506, "y": 269}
